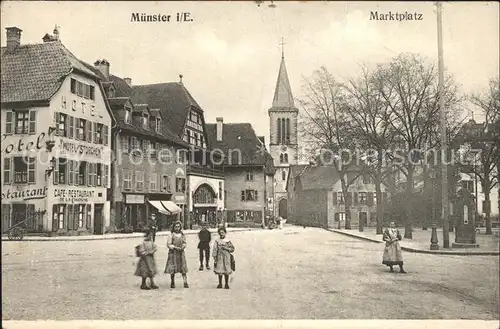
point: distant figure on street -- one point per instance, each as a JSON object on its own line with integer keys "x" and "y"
{"x": 392, "y": 251}
{"x": 222, "y": 250}
{"x": 176, "y": 260}
{"x": 204, "y": 246}
{"x": 153, "y": 226}
{"x": 146, "y": 267}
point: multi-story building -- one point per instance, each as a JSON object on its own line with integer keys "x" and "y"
{"x": 283, "y": 144}
{"x": 204, "y": 184}
{"x": 248, "y": 172}
{"x": 149, "y": 170}
{"x": 56, "y": 141}
{"x": 317, "y": 198}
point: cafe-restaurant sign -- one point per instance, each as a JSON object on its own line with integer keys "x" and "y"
{"x": 74, "y": 196}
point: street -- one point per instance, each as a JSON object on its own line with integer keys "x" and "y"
{"x": 294, "y": 273}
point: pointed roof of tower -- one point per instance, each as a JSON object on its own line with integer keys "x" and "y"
{"x": 283, "y": 98}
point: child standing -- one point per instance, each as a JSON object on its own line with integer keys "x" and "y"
{"x": 176, "y": 260}
{"x": 222, "y": 250}
{"x": 204, "y": 246}
{"x": 146, "y": 267}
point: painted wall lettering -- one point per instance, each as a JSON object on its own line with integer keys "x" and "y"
{"x": 27, "y": 194}
{"x": 74, "y": 148}
{"x": 23, "y": 144}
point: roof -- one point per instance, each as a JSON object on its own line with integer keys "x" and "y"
{"x": 242, "y": 137}
{"x": 122, "y": 88}
{"x": 117, "y": 102}
{"x": 294, "y": 171}
{"x": 319, "y": 178}
{"x": 172, "y": 98}
{"x": 138, "y": 129}
{"x": 35, "y": 72}
{"x": 283, "y": 98}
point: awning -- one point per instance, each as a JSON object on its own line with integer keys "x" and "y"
{"x": 171, "y": 207}
{"x": 166, "y": 207}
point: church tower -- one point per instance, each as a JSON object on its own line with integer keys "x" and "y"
{"x": 283, "y": 144}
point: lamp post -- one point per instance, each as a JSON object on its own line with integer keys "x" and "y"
{"x": 444, "y": 169}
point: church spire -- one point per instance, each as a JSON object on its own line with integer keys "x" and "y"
{"x": 283, "y": 97}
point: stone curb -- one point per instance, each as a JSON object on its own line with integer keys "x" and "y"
{"x": 117, "y": 237}
{"x": 422, "y": 251}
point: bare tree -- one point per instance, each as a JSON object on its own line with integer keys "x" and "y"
{"x": 485, "y": 138}
{"x": 369, "y": 113}
{"x": 408, "y": 85}
{"x": 326, "y": 126}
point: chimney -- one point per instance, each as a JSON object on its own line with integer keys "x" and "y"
{"x": 56, "y": 32}
{"x": 13, "y": 38}
{"x": 103, "y": 67}
{"x": 220, "y": 124}
{"x": 128, "y": 81}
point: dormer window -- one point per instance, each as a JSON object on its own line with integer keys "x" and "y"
{"x": 145, "y": 121}
{"x": 128, "y": 115}
{"x": 111, "y": 92}
{"x": 158, "y": 124}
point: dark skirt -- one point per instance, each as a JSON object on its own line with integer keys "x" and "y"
{"x": 176, "y": 262}
{"x": 146, "y": 267}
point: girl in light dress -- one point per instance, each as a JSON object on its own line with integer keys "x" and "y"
{"x": 146, "y": 266}
{"x": 392, "y": 251}
{"x": 221, "y": 251}
{"x": 176, "y": 260}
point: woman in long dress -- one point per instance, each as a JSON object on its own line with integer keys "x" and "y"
{"x": 146, "y": 266}
{"x": 176, "y": 260}
{"x": 222, "y": 250}
{"x": 392, "y": 251}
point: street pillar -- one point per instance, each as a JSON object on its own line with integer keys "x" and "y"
{"x": 434, "y": 238}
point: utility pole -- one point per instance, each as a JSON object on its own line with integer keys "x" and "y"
{"x": 444, "y": 153}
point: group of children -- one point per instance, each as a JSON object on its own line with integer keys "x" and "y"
{"x": 222, "y": 249}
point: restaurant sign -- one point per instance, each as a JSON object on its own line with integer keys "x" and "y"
{"x": 24, "y": 194}
{"x": 73, "y": 196}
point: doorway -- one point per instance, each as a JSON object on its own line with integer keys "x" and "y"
{"x": 98, "y": 218}
{"x": 363, "y": 219}
{"x": 283, "y": 211}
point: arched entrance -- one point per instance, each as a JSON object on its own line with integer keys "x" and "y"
{"x": 283, "y": 210}
{"x": 205, "y": 205}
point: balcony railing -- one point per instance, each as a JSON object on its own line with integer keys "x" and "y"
{"x": 191, "y": 169}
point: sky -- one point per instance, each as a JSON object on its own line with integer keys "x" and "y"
{"x": 229, "y": 54}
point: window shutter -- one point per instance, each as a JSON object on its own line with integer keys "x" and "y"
{"x": 89, "y": 132}
{"x": 94, "y": 171}
{"x": 71, "y": 216}
{"x": 55, "y": 219}
{"x": 55, "y": 172}
{"x": 89, "y": 173}
{"x": 70, "y": 172}
{"x": 71, "y": 126}
{"x": 369, "y": 199}
{"x": 95, "y": 140}
{"x": 334, "y": 198}
{"x": 7, "y": 170}
{"x": 56, "y": 122}
{"x": 256, "y": 194}
{"x": 32, "y": 122}
{"x": 242, "y": 195}
{"x": 105, "y": 134}
{"x": 76, "y": 169}
{"x": 87, "y": 219}
{"x": 77, "y": 129}
{"x": 8, "y": 122}
{"x": 105, "y": 179}
{"x": 31, "y": 170}
{"x": 5, "y": 217}
{"x": 355, "y": 198}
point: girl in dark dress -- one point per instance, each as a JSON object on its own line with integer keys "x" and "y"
{"x": 146, "y": 267}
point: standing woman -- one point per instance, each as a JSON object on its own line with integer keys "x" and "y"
{"x": 176, "y": 260}
{"x": 222, "y": 250}
{"x": 392, "y": 251}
